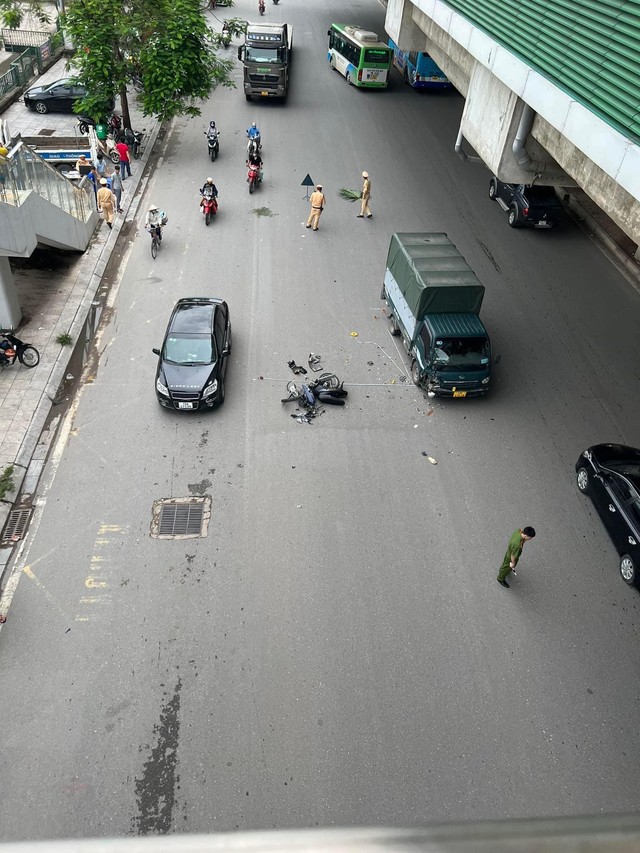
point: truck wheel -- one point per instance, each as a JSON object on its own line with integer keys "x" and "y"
{"x": 393, "y": 325}
{"x": 512, "y": 218}
{"x": 415, "y": 373}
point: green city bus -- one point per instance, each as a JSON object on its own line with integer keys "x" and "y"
{"x": 359, "y": 56}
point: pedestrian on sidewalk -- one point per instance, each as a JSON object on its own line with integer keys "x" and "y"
{"x": 105, "y": 202}
{"x": 123, "y": 152}
{"x": 101, "y": 165}
{"x": 366, "y": 195}
{"x": 514, "y": 550}
{"x": 318, "y": 202}
{"x": 116, "y": 187}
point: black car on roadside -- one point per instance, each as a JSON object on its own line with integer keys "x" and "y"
{"x": 192, "y": 363}
{"x": 610, "y": 475}
{"x": 59, "y": 96}
{"x": 535, "y": 206}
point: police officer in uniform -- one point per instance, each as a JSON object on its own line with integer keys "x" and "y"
{"x": 318, "y": 202}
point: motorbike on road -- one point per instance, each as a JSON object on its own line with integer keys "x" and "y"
{"x": 209, "y": 204}
{"x": 213, "y": 143}
{"x": 12, "y": 348}
{"x": 254, "y": 176}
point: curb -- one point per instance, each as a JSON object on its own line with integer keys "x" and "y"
{"x": 31, "y": 457}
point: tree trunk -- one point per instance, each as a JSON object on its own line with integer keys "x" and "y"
{"x": 124, "y": 103}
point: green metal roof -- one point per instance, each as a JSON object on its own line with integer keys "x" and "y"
{"x": 456, "y": 326}
{"x": 589, "y": 48}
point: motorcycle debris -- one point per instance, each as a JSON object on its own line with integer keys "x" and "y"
{"x": 296, "y": 367}
{"x": 314, "y": 362}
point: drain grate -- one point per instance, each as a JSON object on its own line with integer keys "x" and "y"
{"x": 47, "y": 131}
{"x": 16, "y": 525}
{"x": 181, "y": 518}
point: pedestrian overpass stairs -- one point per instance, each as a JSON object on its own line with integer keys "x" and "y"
{"x": 39, "y": 205}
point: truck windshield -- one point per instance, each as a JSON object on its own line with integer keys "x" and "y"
{"x": 461, "y": 353}
{"x": 263, "y": 54}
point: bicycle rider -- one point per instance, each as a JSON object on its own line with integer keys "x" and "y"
{"x": 153, "y": 221}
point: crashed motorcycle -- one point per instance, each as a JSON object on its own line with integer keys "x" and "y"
{"x": 254, "y": 177}
{"x": 209, "y": 205}
{"x": 12, "y": 348}
{"x": 327, "y": 388}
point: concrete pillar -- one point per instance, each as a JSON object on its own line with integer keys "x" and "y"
{"x": 10, "y": 313}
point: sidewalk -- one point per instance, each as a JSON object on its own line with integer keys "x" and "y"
{"x": 56, "y": 291}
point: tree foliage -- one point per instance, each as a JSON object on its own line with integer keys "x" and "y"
{"x": 12, "y": 12}
{"x": 166, "y": 44}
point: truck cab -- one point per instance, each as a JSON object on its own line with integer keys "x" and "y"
{"x": 455, "y": 351}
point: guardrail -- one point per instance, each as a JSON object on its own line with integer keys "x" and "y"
{"x": 32, "y": 58}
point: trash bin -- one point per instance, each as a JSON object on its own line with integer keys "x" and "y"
{"x": 102, "y": 131}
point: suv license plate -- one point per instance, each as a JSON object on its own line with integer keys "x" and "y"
{"x": 264, "y": 94}
{"x": 185, "y": 405}
{"x": 459, "y": 393}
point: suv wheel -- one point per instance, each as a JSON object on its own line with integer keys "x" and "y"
{"x": 492, "y": 190}
{"x": 627, "y": 569}
{"x": 512, "y": 219}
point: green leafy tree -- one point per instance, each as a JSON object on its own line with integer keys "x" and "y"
{"x": 165, "y": 45}
{"x": 12, "y": 12}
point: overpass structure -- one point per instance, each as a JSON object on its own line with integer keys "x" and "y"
{"x": 551, "y": 87}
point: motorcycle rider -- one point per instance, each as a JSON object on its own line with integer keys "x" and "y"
{"x": 261, "y": 6}
{"x": 209, "y": 190}
{"x": 254, "y": 160}
{"x": 226, "y": 34}
{"x": 253, "y": 133}
{"x": 154, "y": 220}
{"x": 212, "y": 132}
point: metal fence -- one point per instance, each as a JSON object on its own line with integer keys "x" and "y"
{"x": 31, "y": 59}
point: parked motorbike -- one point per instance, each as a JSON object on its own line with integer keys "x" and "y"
{"x": 134, "y": 138}
{"x": 114, "y": 124}
{"x": 213, "y": 144}
{"x": 261, "y": 7}
{"x": 254, "y": 177}
{"x": 209, "y": 206}
{"x": 12, "y": 348}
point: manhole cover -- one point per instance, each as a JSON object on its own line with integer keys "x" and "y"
{"x": 181, "y": 518}
{"x": 47, "y": 131}
{"x": 16, "y": 526}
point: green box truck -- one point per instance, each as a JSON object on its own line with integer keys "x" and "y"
{"x": 434, "y": 301}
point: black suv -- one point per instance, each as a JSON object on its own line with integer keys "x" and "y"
{"x": 535, "y": 206}
{"x": 192, "y": 364}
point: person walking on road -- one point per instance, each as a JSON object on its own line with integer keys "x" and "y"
{"x": 123, "y": 152}
{"x": 105, "y": 202}
{"x": 318, "y": 202}
{"x": 366, "y": 195}
{"x": 116, "y": 186}
{"x": 514, "y": 550}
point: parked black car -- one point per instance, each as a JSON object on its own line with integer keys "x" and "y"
{"x": 192, "y": 364}
{"x": 58, "y": 97}
{"x": 535, "y": 206}
{"x": 610, "y": 475}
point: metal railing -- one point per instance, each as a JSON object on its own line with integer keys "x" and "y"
{"x": 31, "y": 60}
{"x": 23, "y": 171}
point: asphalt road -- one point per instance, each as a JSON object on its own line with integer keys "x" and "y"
{"x": 336, "y": 651}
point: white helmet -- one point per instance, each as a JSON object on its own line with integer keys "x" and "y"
{"x": 253, "y": 124}
{"x": 209, "y": 180}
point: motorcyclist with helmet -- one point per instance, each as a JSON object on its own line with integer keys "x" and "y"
{"x": 253, "y": 133}
{"x": 208, "y": 190}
